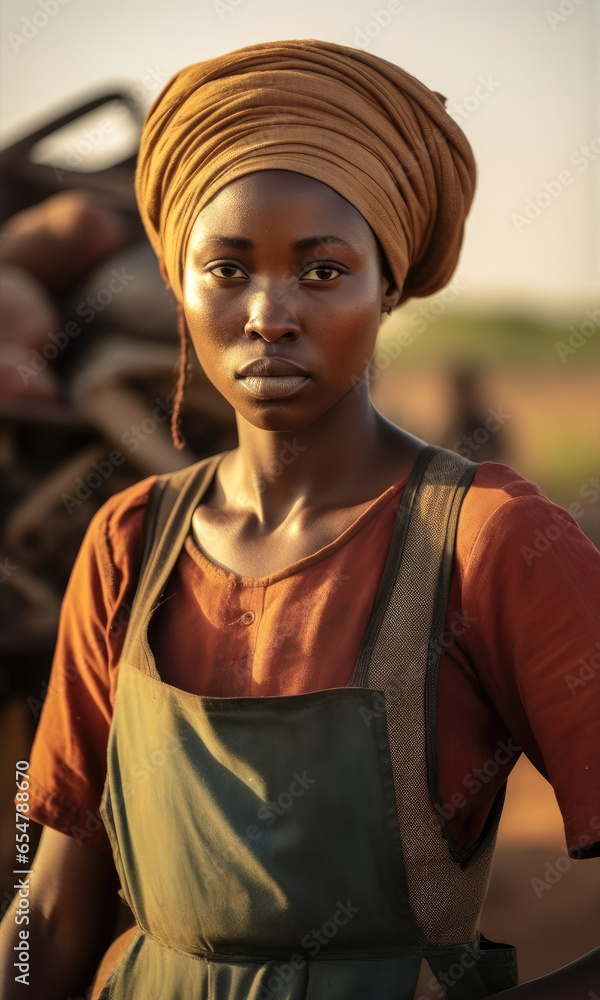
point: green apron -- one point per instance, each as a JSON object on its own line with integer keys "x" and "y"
{"x": 290, "y": 848}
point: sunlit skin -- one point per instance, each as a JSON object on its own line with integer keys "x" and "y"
{"x": 318, "y": 306}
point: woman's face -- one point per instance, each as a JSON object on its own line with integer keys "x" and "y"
{"x": 283, "y": 276}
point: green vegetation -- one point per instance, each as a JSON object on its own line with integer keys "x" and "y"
{"x": 551, "y": 391}
{"x": 508, "y": 339}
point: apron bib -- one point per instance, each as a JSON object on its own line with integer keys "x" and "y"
{"x": 290, "y": 848}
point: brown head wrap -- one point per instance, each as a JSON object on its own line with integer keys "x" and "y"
{"x": 346, "y": 117}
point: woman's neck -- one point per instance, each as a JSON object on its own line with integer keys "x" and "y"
{"x": 348, "y": 456}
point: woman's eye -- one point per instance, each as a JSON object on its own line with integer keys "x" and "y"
{"x": 320, "y": 273}
{"x": 230, "y": 270}
{"x": 324, "y": 273}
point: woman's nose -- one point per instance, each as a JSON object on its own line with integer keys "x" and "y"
{"x": 270, "y": 318}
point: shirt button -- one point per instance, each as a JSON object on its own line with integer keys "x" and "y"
{"x": 247, "y": 618}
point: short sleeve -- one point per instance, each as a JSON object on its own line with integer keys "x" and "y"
{"x": 68, "y": 757}
{"x": 533, "y": 582}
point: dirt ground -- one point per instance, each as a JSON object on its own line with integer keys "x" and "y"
{"x": 539, "y": 900}
{"x": 549, "y": 424}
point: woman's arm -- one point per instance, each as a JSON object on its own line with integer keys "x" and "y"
{"x": 530, "y": 585}
{"x": 580, "y": 980}
{"x": 73, "y": 906}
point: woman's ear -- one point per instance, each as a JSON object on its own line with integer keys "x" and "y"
{"x": 390, "y": 295}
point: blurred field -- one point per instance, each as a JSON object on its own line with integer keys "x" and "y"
{"x": 550, "y": 926}
{"x": 551, "y": 436}
{"x": 551, "y": 430}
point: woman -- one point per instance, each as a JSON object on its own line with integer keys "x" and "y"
{"x": 336, "y": 650}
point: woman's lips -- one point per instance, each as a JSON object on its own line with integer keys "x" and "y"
{"x": 273, "y": 386}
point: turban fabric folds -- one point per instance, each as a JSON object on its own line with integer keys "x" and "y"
{"x": 345, "y": 117}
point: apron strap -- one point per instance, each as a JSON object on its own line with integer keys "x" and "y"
{"x": 401, "y": 657}
{"x": 360, "y": 677}
{"x": 172, "y": 501}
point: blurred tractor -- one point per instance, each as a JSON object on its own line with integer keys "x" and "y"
{"x": 88, "y": 353}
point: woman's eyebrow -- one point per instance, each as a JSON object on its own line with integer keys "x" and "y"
{"x": 311, "y": 241}
{"x": 242, "y": 243}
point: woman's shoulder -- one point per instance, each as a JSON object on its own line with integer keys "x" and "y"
{"x": 505, "y": 512}
{"x": 123, "y": 511}
{"x": 495, "y": 485}
{"x": 113, "y": 543}
{"x": 116, "y": 529}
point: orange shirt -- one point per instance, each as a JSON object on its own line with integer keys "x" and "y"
{"x": 520, "y": 667}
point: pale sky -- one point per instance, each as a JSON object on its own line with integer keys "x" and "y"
{"x": 522, "y": 77}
